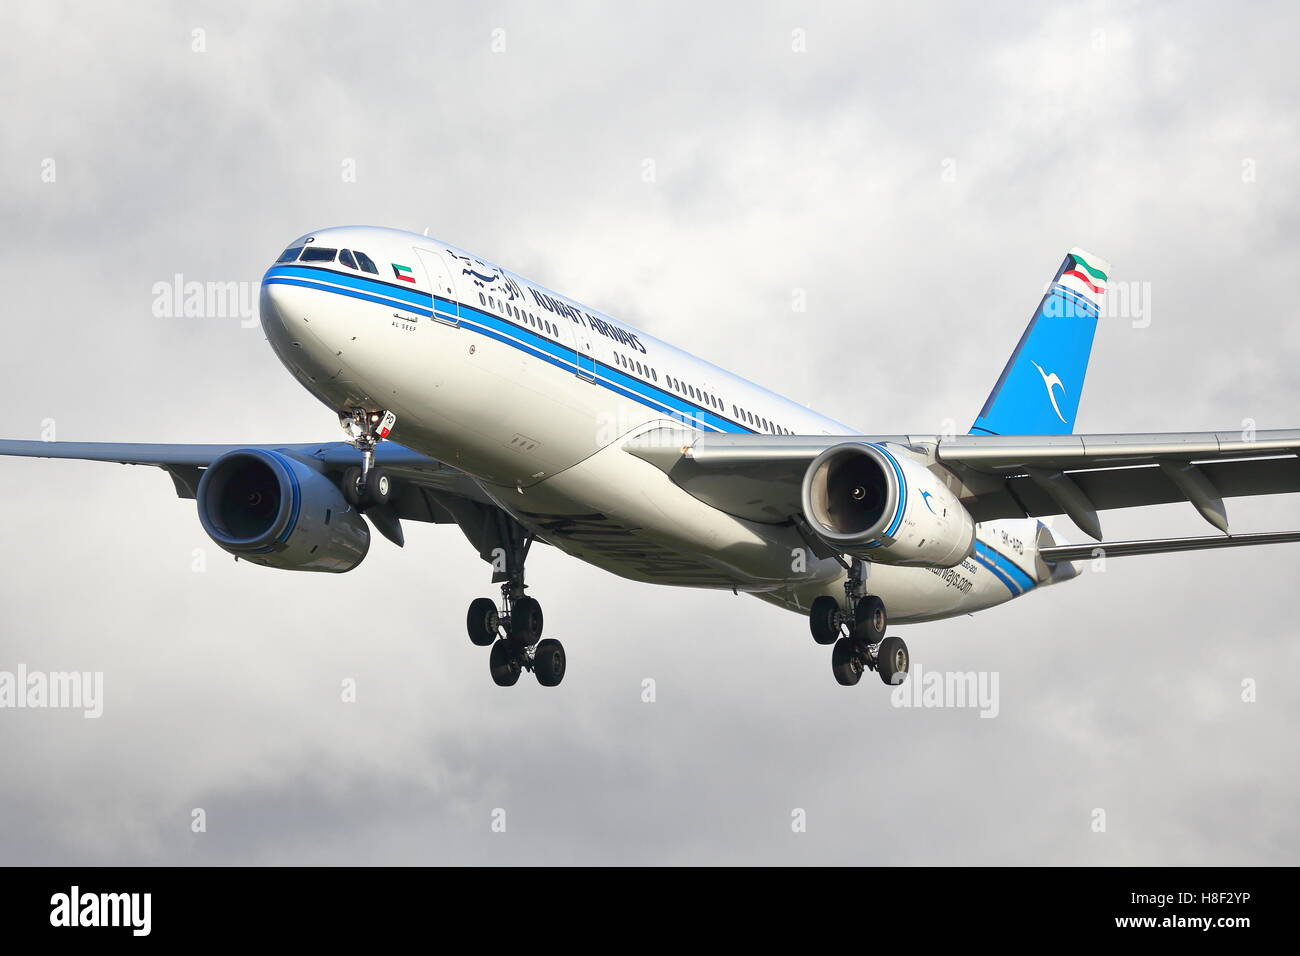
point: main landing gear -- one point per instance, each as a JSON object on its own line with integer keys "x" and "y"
{"x": 857, "y": 629}
{"x": 515, "y": 630}
{"x": 367, "y": 485}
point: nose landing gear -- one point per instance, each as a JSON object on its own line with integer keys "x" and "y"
{"x": 368, "y": 484}
{"x": 858, "y": 634}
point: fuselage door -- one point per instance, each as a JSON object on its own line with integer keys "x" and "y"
{"x": 586, "y": 362}
{"x": 440, "y": 284}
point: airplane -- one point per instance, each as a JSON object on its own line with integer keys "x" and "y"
{"x": 472, "y": 396}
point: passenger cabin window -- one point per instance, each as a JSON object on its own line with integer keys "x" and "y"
{"x": 290, "y": 254}
{"x": 365, "y": 262}
{"x": 345, "y": 257}
{"x": 318, "y": 254}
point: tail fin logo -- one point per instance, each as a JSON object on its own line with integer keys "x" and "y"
{"x": 1050, "y": 382}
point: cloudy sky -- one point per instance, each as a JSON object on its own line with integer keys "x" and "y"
{"x": 918, "y": 170}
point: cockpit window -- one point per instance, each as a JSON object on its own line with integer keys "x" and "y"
{"x": 318, "y": 254}
{"x": 345, "y": 257}
{"x": 367, "y": 265}
{"x": 290, "y": 254}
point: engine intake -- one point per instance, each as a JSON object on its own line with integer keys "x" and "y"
{"x": 271, "y": 509}
{"x": 880, "y": 505}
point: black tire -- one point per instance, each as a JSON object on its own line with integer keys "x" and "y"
{"x": 893, "y": 661}
{"x": 846, "y": 664}
{"x": 351, "y": 486}
{"x": 823, "y": 620}
{"x": 378, "y": 487}
{"x": 504, "y": 664}
{"x": 482, "y": 621}
{"x": 548, "y": 663}
{"x": 870, "y": 620}
{"x": 526, "y": 621}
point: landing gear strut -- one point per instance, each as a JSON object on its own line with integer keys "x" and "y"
{"x": 514, "y": 630}
{"x": 857, "y": 629}
{"x": 369, "y": 484}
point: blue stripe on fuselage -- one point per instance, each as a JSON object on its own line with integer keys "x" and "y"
{"x": 508, "y": 333}
{"x": 374, "y": 286}
{"x": 606, "y": 375}
{"x": 1004, "y": 569}
{"x": 351, "y": 293}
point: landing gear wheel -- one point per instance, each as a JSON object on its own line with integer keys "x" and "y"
{"x": 378, "y": 487}
{"x": 824, "y": 620}
{"x": 846, "y": 661}
{"x": 526, "y": 621}
{"x": 482, "y": 621}
{"x": 351, "y": 486}
{"x": 505, "y": 663}
{"x": 548, "y": 663}
{"x": 869, "y": 620}
{"x": 893, "y": 660}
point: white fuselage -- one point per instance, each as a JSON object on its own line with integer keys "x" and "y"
{"x": 534, "y": 395}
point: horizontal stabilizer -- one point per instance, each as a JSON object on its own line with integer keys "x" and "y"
{"x": 1119, "y": 549}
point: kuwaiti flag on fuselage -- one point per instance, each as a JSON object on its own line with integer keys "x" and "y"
{"x": 1039, "y": 390}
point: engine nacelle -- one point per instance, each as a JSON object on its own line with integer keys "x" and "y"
{"x": 268, "y": 508}
{"x": 868, "y": 502}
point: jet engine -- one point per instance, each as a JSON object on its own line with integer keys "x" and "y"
{"x": 879, "y": 505}
{"x": 272, "y": 509}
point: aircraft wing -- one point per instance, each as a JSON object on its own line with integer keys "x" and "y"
{"x": 759, "y": 477}
{"x": 422, "y": 487}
